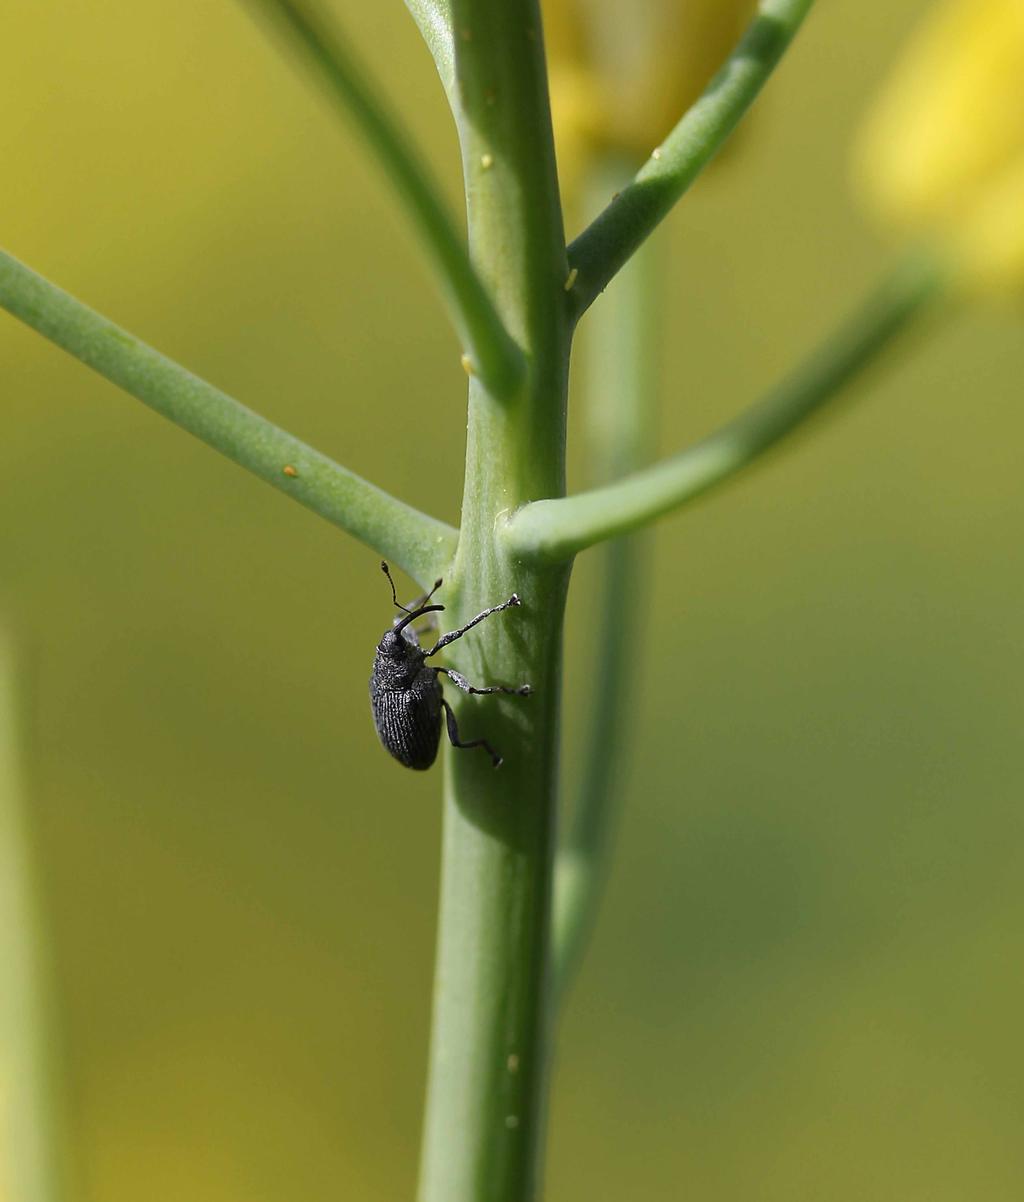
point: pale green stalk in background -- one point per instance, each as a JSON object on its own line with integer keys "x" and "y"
{"x": 32, "y": 1144}
{"x": 515, "y": 292}
{"x": 620, "y": 350}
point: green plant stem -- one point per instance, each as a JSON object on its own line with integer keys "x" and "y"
{"x": 603, "y": 247}
{"x": 434, "y": 18}
{"x": 494, "y": 355}
{"x": 554, "y": 530}
{"x": 32, "y": 1145}
{"x": 487, "y": 1088}
{"x": 419, "y": 544}
{"x": 620, "y": 349}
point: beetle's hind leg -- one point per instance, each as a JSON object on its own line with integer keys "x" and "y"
{"x": 461, "y": 682}
{"x": 453, "y": 736}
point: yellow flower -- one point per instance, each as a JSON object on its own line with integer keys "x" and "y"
{"x": 623, "y": 74}
{"x": 943, "y": 149}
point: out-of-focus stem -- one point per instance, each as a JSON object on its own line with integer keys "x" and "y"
{"x": 32, "y": 1147}
{"x": 620, "y": 346}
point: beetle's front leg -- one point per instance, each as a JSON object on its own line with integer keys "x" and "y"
{"x": 452, "y": 635}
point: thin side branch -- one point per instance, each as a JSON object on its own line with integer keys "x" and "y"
{"x": 603, "y": 247}
{"x": 556, "y": 529}
{"x": 434, "y": 18}
{"x": 421, "y": 545}
{"x": 493, "y": 354}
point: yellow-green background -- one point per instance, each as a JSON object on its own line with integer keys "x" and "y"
{"x": 807, "y": 979}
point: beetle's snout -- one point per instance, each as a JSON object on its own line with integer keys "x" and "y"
{"x": 391, "y": 643}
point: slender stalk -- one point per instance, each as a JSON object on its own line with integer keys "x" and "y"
{"x": 434, "y": 18}
{"x": 487, "y": 1085}
{"x": 419, "y": 544}
{"x": 494, "y": 355}
{"x": 607, "y": 242}
{"x": 620, "y": 345}
{"x": 32, "y": 1147}
{"x": 553, "y": 530}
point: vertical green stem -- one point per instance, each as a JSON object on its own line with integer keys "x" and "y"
{"x": 489, "y": 1048}
{"x": 31, "y": 1152}
{"x": 620, "y": 345}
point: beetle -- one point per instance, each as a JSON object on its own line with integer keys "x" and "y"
{"x": 405, "y": 691}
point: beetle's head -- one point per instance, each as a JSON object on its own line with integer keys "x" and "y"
{"x": 395, "y": 645}
{"x": 400, "y": 642}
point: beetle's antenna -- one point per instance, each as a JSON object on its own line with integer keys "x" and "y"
{"x": 394, "y": 596}
{"x": 426, "y": 596}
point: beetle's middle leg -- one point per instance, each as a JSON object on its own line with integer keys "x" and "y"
{"x": 461, "y": 682}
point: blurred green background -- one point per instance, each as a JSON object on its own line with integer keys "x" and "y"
{"x": 806, "y": 981}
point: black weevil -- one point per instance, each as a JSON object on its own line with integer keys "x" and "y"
{"x": 405, "y": 691}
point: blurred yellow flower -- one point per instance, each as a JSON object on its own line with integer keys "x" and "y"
{"x": 943, "y": 148}
{"x": 623, "y": 74}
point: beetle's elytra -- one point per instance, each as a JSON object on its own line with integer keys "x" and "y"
{"x": 405, "y": 691}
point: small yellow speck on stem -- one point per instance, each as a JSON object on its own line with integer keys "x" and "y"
{"x": 467, "y": 365}
{"x": 289, "y": 470}
{"x": 513, "y": 1063}
{"x": 487, "y": 161}
{"x": 570, "y": 279}
{"x": 656, "y": 153}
